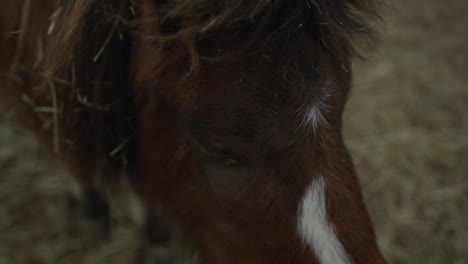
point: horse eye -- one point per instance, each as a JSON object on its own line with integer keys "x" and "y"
{"x": 221, "y": 156}
{"x": 226, "y": 159}
{"x": 231, "y": 162}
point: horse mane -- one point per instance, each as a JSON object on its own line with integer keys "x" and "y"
{"x": 87, "y": 30}
{"x": 86, "y": 60}
{"x": 335, "y": 24}
{"x": 85, "y": 34}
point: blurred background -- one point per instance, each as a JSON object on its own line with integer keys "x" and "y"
{"x": 406, "y": 126}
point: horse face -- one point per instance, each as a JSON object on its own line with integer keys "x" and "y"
{"x": 230, "y": 153}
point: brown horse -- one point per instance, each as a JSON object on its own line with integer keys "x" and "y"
{"x": 225, "y": 116}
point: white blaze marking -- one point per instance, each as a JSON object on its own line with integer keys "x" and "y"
{"x": 313, "y": 116}
{"x": 314, "y": 228}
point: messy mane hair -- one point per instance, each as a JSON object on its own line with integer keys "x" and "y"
{"x": 338, "y": 25}
{"x": 332, "y": 23}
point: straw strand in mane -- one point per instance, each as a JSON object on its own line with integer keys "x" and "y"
{"x": 80, "y": 75}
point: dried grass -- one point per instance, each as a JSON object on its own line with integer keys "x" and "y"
{"x": 406, "y": 128}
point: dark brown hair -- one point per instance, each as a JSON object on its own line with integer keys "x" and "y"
{"x": 329, "y": 21}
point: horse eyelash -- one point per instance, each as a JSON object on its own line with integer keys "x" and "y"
{"x": 226, "y": 159}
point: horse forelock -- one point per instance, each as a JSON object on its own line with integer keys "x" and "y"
{"x": 338, "y": 25}
{"x": 330, "y": 22}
